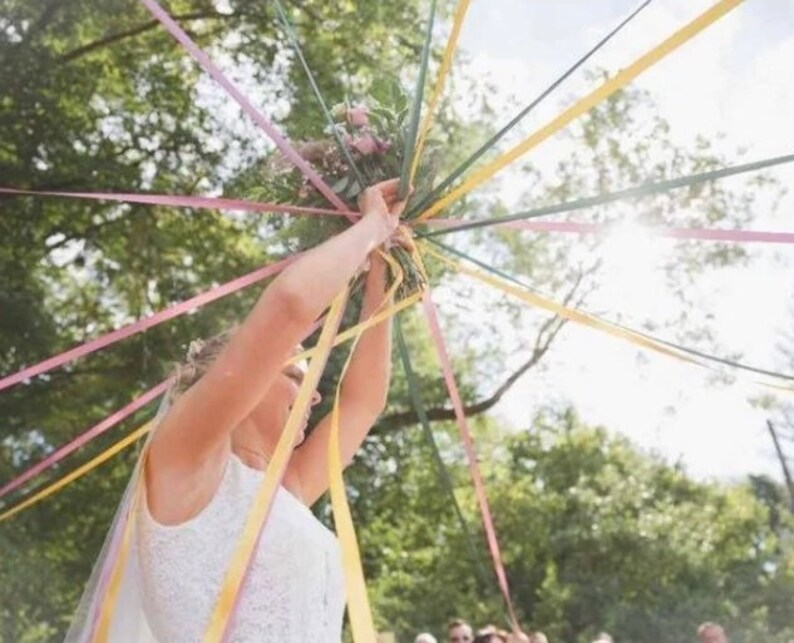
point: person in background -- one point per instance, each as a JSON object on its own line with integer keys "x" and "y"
{"x": 537, "y": 637}
{"x": 492, "y": 634}
{"x": 488, "y": 634}
{"x": 603, "y": 637}
{"x": 459, "y": 631}
{"x": 709, "y": 632}
{"x": 425, "y": 637}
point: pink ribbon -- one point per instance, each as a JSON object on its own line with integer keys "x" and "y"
{"x": 183, "y": 201}
{"x": 109, "y": 422}
{"x": 471, "y": 455}
{"x": 286, "y": 149}
{"x": 605, "y": 228}
{"x": 144, "y": 324}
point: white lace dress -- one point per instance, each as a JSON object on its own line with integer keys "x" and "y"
{"x": 294, "y": 592}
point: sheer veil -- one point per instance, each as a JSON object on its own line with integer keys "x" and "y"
{"x": 121, "y": 598}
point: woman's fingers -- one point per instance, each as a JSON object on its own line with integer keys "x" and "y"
{"x": 397, "y": 208}
{"x": 390, "y": 186}
{"x": 385, "y": 193}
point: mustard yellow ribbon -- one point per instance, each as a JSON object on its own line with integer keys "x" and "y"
{"x": 79, "y": 472}
{"x": 235, "y": 574}
{"x": 620, "y": 80}
{"x": 353, "y": 331}
{"x": 581, "y": 317}
{"x": 558, "y": 309}
{"x": 362, "y": 624}
{"x": 443, "y": 70}
{"x": 110, "y": 599}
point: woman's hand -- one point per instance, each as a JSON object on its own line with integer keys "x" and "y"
{"x": 379, "y": 203}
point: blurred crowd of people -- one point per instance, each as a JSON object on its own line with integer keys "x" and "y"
{"x": 459, "y": 631}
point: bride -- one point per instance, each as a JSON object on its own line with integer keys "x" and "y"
{"x": 208, "y": 454}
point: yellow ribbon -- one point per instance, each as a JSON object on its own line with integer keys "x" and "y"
{"x": 362, "y": 624}
{"x": 620, "y": 80}
{"x": 110, "y": 599}
{"x": 235, "y": 574}
{"x": 581, "y": 317}
{"x": 353, "y": 331}
{"x": 443, "y": 70}
{"x": 79, "y": 472}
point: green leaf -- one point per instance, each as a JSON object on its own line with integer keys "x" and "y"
{"x": 416, "y": 106}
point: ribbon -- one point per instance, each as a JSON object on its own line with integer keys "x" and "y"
{"x": 97, "y": 430}
{"x": 703, "y": 234}
{"x": 362, "y": 624}
{"x": 293, "y": 38}
{"x": 249, "y": 539}
{"x": 446, "y": 62}
{"x": 183, "y": 201}
{"x": 471, "y": 455}
{"x": 683, "y": 349}
{"x": 141, "y": 325}
{"x": 110, "y": 584}
{"x": 612, "y": 85}
{"x": 641, "y": 190}
{"x": 219, "y": 77}
{"x": 586, "y": 319}
{"x": 443, "y": 473}
{"x": 77, "y": 473}
{"x": 485, "y": 147}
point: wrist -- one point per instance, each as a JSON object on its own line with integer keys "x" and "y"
{"x": 377, "y": 226}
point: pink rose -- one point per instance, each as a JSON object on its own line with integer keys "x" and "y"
{"x": 358, "y": 116}
{"x": 366, "y": 144}
{"x": 383, "y": 146}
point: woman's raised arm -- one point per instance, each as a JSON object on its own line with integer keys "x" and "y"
{"x": 195, "y": 432}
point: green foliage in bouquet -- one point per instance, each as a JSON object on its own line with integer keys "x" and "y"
{"x": 365, "y": 144}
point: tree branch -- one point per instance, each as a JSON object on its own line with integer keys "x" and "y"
{"x": 546, "y": 335}
{"x": 783, "y": 464}
{"x": 137, "y": 31}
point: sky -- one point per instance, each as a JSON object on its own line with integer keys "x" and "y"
{"x": 732, "y": 84}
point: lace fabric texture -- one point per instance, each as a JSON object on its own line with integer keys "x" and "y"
{"x": 294, "y": 591}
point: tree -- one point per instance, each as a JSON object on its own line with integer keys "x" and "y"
{"x": 596, "y": 535}
{"x": 98, "y": 97}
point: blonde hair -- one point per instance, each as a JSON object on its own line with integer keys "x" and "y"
{"x": 201, "y": 354}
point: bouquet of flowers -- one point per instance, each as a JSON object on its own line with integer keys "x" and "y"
{"x": 364, "y": 145}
